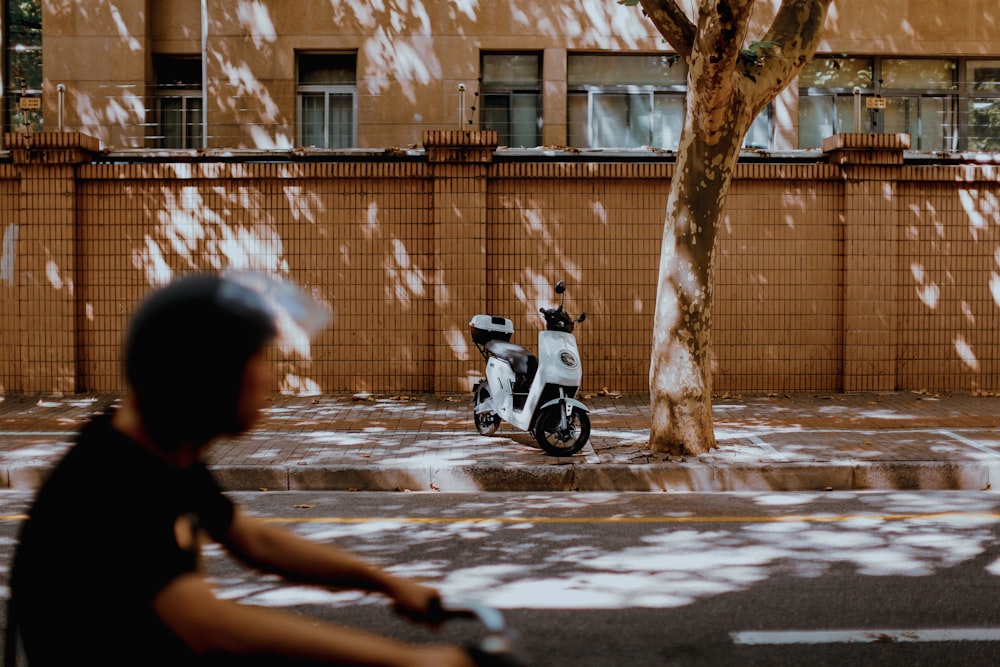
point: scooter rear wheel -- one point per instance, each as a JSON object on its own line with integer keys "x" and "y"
{"x": 556, "y": 441}
{"x": 486, "y": 422}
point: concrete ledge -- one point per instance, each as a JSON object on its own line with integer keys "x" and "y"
{"x": 686, "y": 477}
{"x": 251, "y": 478}
{"x": 785, "y": 477}
{"x": 929, "y": 475}
{"x": 676, "y": 477}
{"x": 358, "y": 478}
{"x": 499, "y": 478}
{"x": 26, "y": 476}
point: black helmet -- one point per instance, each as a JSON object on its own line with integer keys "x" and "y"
{"x": 185, "y": 352}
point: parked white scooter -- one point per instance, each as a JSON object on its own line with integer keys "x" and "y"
{"x": 535, "y": 394}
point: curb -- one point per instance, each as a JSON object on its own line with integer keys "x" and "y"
{"x": 679, "y": 478}
{"x": 674, "y": 477}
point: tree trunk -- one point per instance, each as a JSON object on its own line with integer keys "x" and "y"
{"x": 680, "y": 375}
{"x": 727, "y": 87}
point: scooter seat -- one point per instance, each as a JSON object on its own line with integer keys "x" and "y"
{"x": 521, "y": 360}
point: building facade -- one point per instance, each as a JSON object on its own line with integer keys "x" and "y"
{"x": 268, "y": 74}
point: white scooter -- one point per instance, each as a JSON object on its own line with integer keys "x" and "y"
{"x": 535, "y": 394}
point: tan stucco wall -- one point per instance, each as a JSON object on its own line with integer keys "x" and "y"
{"x": 411, "y": 56}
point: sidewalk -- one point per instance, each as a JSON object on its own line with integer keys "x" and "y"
{"x": 428, "y": 443}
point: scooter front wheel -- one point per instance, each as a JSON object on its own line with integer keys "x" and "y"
{"x": 557, "y": 440}
{"x": 486, "y": 422}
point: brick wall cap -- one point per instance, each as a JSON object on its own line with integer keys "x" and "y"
{"x": 866, "y": 141}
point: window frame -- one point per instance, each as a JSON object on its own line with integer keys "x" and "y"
{"x": 631, "y": 90}
{"x": 510, "y": 91}
{"x": 953, "y": 135}
{"x": 970, "y": 95}
{"x": 192, "y": 127}
{"x": 328, "y": 91}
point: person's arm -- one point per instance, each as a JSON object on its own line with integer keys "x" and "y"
{"x": 190, "y": 609}
{"x": 279, "y": 551}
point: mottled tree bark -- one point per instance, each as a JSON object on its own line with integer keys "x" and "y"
{"x": 730, "y": 80}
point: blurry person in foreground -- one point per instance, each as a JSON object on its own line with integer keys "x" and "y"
{"x": 107, "y": 570}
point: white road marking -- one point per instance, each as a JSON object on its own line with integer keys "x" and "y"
{"x": 859, "y": 636}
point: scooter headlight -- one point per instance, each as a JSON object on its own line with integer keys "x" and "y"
{"x": 568, "y": 359}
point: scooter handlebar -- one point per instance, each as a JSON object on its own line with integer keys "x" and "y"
{"x": 496, "y": 648}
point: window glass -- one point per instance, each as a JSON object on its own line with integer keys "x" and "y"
{"x": 927, "y": 120}
{"x": 178, "y": 104}
{"x": 759, "y": 134}
{"x": 326, "y": 100}
{"x": 984, "y": 124}
{"x": 637, "y": 70}
{"x": 668, "y": 120}
{"x": 983, "y": 110}
{"x": 180, "y": 122}
{"x": 625, "y": 101}
{"x": 341, "y": 120}
{"x": 511, "y": 69}
{"x": 578, "y": 120}
{"x": 328, "y": 69}
{"x": 511, "y": 97}
{"x": 312, "y": 131}
{"x": 919, "y": 73}
{"x": 177, "y": 72}
{"x": 816, "y": 120}
{"x": 621, "y": 120}
{"x": 829, "y": 72}
{"x": 918, "y": 95}
{"x": 22, "y": 60}
{"x": 985, "y": 75}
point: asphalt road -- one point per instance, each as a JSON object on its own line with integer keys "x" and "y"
{"x": 902, "y": 578}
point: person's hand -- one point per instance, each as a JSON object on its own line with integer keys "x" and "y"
{"x": 417, "y": 602}
{"x": 440, "y": 656}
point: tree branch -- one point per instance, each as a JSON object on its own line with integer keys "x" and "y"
{"x": 722, "y": 28}
{"x": 671, "y": 22}
{"x": 796, "y": 31}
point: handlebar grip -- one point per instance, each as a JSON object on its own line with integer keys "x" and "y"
{"x": 484, "y": 658}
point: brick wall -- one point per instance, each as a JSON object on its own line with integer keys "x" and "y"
{"x": 857, "y": 272}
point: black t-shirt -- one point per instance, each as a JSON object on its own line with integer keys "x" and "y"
{"x": 101, "y": 541}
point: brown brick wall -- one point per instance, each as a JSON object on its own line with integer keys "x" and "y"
{"x": 846, "y": 276}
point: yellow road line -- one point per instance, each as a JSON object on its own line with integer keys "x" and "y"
{"x": 793, "y": 518}
{"x": 808, "y": 518}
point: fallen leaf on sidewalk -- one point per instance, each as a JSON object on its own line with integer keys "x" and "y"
{"x": 303, "y": 506}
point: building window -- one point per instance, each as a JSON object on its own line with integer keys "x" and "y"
{"x": 178, "y": 102}
{"x": 626, "y": 101}
{"x": 983, "y": 106}
{"x": 921, "y": 99}
{"x": 826, "y": 97}
{"x": 511, "y": 97}
{"x": 634, "y": 101}
{"x": 22, "y": 42}
{"x": 326, "y": 100}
